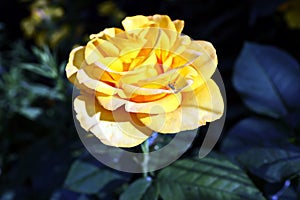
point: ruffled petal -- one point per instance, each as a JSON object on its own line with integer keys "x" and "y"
{"x": 129, "y": 91}
{"x": 110, "y": 102}
{"x": 135, "y": 22}
{"x": 76, "y": 61}
{"x": 118, "y": 128}
{"x": 111, "y": 32}
{"x": 98, "y": 49}
{"x": 206, "y": 63}
{"x": 163, "y": 21}
{"x": 179, "y": 24}
{"x": 198, "y": 107}
{"x": 94, "y": 84}
{"x": 168, "y": 103}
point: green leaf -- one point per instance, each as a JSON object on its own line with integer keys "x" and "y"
{"x": 206, "y": 178}
{"x": 136, "y": 190}
{"x": 88, "y": 179}
{"x": 255, "y": 132}
{"x": 272, "y": 164}
{"x": 152, "y": 192}
{"x": 266, "y": 78}
{"x": 40, "y": 70}
{"x": 42, "y": 91}
{"x": 30, "y": 112}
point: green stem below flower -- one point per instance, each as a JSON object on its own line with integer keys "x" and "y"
{"x": 145, "y": 149}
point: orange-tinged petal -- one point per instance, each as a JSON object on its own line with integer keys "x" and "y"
{"x": 162, "y": 50}
{"x": 117, "y": 128}
{"x": 147, "y": 98}
{"x": 97, "y": 73}
{"x": 168, "y": 103}
{"x": 129, "y": 91}
{"x": 142, "y": 62}
{"x": 135, "y": 63}
{"x": 198, "y": 107}
{"x": 110, "y": 64}
{"x": 94, "y": 84}
{"x": 187, "y": 57}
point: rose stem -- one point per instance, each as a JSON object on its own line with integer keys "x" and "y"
{"x": 145, "y": 149}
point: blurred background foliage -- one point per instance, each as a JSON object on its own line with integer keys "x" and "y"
{"x": 258, "y": 156}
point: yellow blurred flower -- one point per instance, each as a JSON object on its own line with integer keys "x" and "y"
{"x": 40, "y": 24}
{"x": 147, "y": 77}
{"x": 291, "y": 11}
{"x": 59, "y": 35}
{"x": 110, "y": 9}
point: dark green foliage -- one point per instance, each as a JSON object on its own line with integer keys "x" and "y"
{"x": 206, "y": 178}
{"x": 137, "y": 189}
{"x": 266, "y": 78}
{"x": 272, "y": 164}
{"x": 88, "y": 179}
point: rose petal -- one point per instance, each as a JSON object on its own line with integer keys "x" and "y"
{"x": 168, "y": 103}
{"x": 117, "y": 128}
{"x": 198, "y": 107}
{"x": 145, "y": 71}
{"x": 97, "y": 73}
{"x": 151, "y": 35}
{"x": 76, "y": 61}
{"x": 189, "y": 79}
{"x": 135, "y": 22}
{"x": 205, "y": 64}
{"x": 123, "y": 40}
{"x": 161, "y": 80}
{"x": 94, "y": 84}
{"x": 179, "y": 24}
{"x": 210, "y": 50}
{"x": 110, "y": 102}
{"x": 163, "y": 21}
{"x": 147, "y": 98}
{"x": 97, "y": 49}
{"x": 151, "y": 89}
{"x": 163, "y": 46}
{"x": 112, "y": 32}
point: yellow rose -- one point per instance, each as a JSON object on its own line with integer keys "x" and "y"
{"x": 147, "y": 77}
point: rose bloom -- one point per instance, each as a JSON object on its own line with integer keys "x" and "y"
{"x": 147, "y": 77}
